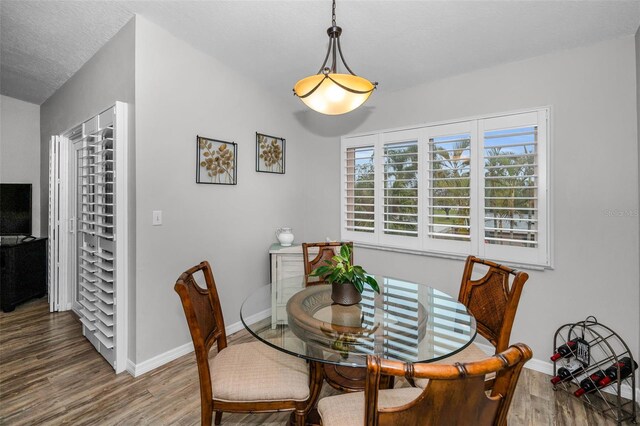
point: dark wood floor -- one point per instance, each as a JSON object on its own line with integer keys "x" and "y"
{"x": 50, "y": 374}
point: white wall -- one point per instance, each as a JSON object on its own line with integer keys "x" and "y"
{"x": 180, "y": 93}
{"x": 594, "y": 144}
{"x": 20, "y": 150}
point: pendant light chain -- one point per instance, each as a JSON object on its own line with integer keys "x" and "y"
{"x": 334, "y": 38}
{"x": 333, "y": 16}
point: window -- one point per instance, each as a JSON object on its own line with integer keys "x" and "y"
{"x": 467, "y": 187}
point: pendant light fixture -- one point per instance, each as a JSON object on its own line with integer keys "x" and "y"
{"x": 329, "y": 92}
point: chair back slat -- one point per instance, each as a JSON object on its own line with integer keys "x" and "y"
{"x": 455, "y": 394}
{"x": 326, "y": 251}
{"x": 492, "y": 299}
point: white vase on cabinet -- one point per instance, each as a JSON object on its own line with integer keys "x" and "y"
{"x": 285, "y": 236}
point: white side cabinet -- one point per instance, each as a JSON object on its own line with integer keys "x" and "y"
{"x": 286, "y": 267}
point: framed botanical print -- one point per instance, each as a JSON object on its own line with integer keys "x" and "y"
{"x": 270, "y": 154}
{"x": 217, "y": 161}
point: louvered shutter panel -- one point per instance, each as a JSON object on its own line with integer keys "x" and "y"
{"x": 450, "y": 191}
{"x": 510, "y": 186}
{"x": 512, "y": 175}
{"x": 359, "y": 190}
{"x": 101, "y": 168}
{"x": 400, "y": 180}
{"x": 449, "y": 196}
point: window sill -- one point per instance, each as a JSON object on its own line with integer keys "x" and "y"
{"x": 451, "y": 256}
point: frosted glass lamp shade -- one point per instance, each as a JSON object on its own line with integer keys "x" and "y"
{"x": 331, "y": 99}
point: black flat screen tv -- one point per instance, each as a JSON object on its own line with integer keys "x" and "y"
{"x": 15, "y": 209}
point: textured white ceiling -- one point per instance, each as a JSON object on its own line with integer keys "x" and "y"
{"x": 398, "y": 43}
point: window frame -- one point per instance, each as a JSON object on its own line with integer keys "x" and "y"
{"x": 539, "y": 257}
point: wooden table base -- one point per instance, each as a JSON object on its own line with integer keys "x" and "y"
{"x": 345, "y": 379}
{"x": 351, "y": 379}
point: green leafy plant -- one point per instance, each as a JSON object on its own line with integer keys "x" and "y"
{"x": 340, "y": 270}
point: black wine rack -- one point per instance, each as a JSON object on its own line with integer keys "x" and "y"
{"x": 617, "y": 400}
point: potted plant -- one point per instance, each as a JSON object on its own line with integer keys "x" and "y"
{"x": 347, "y": 280}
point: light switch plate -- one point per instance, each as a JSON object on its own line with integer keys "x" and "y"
{"x": 157, "y": 218}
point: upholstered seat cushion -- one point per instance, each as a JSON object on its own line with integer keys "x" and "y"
{"x": 348, "y": 409}
{"x": 469, "y": 354}
{"x": 251, "y": 372}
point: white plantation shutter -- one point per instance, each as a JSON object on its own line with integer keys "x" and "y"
{"x": 400, "y": 188}
{"x": 513, "y": 173}
{"x": 358, "y": 192}
{"x": 510, "y": 185}
{"x": 449, "y": 177}
{"x": 450, "y": 187}
{"x": 468, "y": 187}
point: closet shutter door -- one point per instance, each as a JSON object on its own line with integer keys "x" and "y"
{"x": 53, "y": 252}
{"x": 102, "y": 238}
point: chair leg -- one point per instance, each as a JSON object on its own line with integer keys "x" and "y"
{"x": 218, "y": 417}
{"x": 300, "y": 418}
{"x": 316, "y": 378}
{"x": 205, "y": 418}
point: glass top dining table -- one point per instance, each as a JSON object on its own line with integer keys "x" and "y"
{"x": 407, "y": 322}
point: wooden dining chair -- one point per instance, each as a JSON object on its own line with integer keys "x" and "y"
{"x": 455, "y": 394}
{"x": 493, "y": 301}
{"x": 326, "y": 251}
{"x": 248, "y": 377}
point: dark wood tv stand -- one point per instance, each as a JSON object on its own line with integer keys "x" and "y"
{"x": 23, "y": 271}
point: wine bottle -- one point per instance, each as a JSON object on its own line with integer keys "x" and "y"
{"x": 590, "y": 384}
{"x": 567, "y": 372}
{"x": 566, "y": 350}
{"x": 626, "y": 368}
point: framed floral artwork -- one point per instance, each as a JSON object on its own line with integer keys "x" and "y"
{"x": 270, "y": 154}
{"x": 217, "y": 162}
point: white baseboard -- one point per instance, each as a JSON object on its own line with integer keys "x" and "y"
{"x": 145, "y": 366}
{"x": 546, "y": 367}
